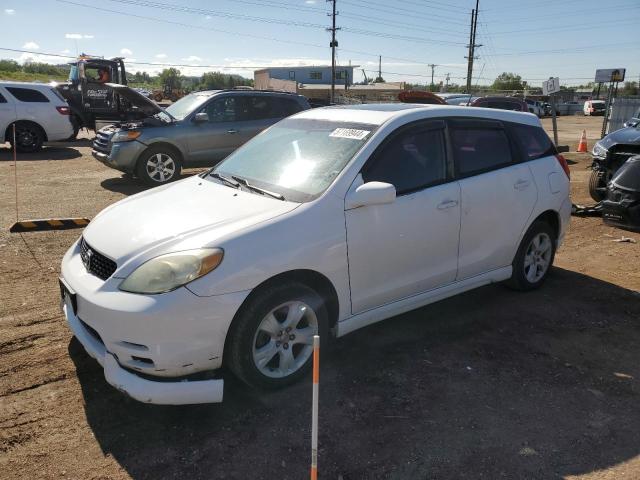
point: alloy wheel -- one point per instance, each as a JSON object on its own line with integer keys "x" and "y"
{"x": 537, "y": 258}
{"x": 160, "y": 167}
{"x": 284, "y": 339}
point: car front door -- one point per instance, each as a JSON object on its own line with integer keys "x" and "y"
{"x": 212, "y": 140}
{"x": 409, "y": 246}
{"x": 498, "y": 195}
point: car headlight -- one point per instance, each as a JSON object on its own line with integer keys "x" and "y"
{"x": 126, "y": 136}
{"x": 599, "y": 151}
{"x": 168, "y": 272}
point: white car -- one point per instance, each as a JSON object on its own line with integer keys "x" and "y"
{"x": 38, "y": 111}
{"x": 329, "y": 221}
{"x": 594, "y": 107}
{"x": 535, "y": 107}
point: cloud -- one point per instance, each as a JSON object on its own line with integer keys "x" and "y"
{"x": 9, "y": 11}
{"x": 207, "y": 17}
{"x": 192, "y": 58}
{"x": 76, "y": 36}
{"x": 65, "y": 51}
{"x": 31, "y": 46}
{"x": 126, "y": 51}
{"x": 161, "y": 55}
{"x": 310, "y": 2}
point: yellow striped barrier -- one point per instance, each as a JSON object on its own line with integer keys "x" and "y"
{"x": 47, "y": 224}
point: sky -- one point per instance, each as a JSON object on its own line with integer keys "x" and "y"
{"x": 536, "y": 39}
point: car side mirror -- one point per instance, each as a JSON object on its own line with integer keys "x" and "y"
{"x": 371, "y": 193}
{"x": 201, "y": 117}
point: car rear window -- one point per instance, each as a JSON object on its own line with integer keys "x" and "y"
{"x": 478, "y": 148}
{"x": 505, "y": 105}
{"x": 28, "y": 95}
{"x": 532, "y": 142}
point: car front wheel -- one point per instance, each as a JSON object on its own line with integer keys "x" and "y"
{"x": 534, "y": 257}
{"x": 158, "y": 166}
{"x": 29, "y": 137}
{"x": 270, "y": 344}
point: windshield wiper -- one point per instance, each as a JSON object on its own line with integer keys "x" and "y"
{"x": 226, "y": 180}
{"x": 244, "y": 182}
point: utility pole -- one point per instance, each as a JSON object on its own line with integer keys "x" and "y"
{"x": 379, "y": 79}
{"x": 433, "y": 67}
{"x": 472, "y": 45}
{"x": 446, "y": 85}
{"x": 333, "y": 45}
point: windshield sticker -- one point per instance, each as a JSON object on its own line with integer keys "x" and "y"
{"x": 352, "y": 133}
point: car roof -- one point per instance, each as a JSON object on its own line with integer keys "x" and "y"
{"x": 379, "y": 113}
{"x": 6, "y": 83}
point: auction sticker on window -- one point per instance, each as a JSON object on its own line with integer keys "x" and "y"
{"x": 352, "y": 133}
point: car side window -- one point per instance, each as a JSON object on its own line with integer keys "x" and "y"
{"x": 478, "y": 148}
{"x": 221, "y": 110}
{"x": 27, "y": 95}
{"x": 413, "y": 159}
{"x": 532, "y": 142}
{"x": 288, "y": 106}
{"x": 2, "y": 99}
{"x": 257, "y": 108}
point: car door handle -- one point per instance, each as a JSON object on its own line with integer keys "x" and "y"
{"x": 521, "y": 184}
{"x": 232, "y": 130}
{"x": 447, "y": 204}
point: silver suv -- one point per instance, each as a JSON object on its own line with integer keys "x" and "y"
{"x": 198, "y": 130}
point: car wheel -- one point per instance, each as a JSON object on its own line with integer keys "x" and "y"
{"x": 29, "y": 137}
{"x": 534, "y": 257}
{"x": 270, "y": 343}
{"x": 597, "y": 185}
{"x": 158, "y": 165}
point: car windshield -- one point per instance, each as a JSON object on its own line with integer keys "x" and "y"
{"x": 186, "y": 105}
{"x": 297, "y": 158}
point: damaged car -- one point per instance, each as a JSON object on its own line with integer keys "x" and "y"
{"x": 199, "y": 130}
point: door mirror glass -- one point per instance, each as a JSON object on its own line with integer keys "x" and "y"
{"x": 201, "y": 117}
{"x": 371, "y": 193}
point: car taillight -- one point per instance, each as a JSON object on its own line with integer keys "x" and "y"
{"x": 64, "y": 110}
{"x": 564, "y": 165}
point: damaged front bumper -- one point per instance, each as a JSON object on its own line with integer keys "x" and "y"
{"x": 159, "y": 392}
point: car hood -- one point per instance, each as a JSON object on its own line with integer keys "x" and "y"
{"x": 626, "y": 136}
{"x": 144, "y": 104}
{"x": 192, "y": 213}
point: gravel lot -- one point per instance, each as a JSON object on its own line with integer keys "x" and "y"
{"x": 490, "y": 384}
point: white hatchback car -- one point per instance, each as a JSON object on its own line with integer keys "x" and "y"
{"x": 330, "y": 220}
{"x": 38, "y": 111}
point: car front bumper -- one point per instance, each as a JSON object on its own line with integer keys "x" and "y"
{"x": 122, "y": 156}
{"x": 150, "y": 346}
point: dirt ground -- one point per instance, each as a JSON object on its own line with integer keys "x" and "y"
{"x": 490, "y": 384}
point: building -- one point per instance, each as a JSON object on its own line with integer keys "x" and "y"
{"x": 308, "y": 75}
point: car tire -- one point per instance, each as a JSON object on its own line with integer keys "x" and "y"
{"x": 534, "y": 257}
{"x": 29, "y": 137}
{"x": 261, "y": 351}
{"x": 597, "y": 181}
{"x": 158, "y": 165}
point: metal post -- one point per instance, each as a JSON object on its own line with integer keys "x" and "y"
{"x": 606, "y": 111}
{"x": 553, "y": 119}
{"x": 333, "y": 45}
{"x": 314, "y": 408}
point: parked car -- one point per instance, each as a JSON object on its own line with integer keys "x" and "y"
{"x": 329, "y": 221}
{"x": 200, "y": 129}
{"x": 535, "y": 107}
{"x": 594, "y": 107}
{"x": 609, "y": 154}
{"x": 420, "y": 96}
{"x": 501, "y": 103}
{"x": 38, "y": 111}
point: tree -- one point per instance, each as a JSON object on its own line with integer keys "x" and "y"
{"x": 508, "y": 81}
{"x": 170, "y": 78}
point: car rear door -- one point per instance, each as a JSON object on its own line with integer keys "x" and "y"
{"x": 7, "y": 110}
{"x": 498, "y": 195}
{"x": 408, "y": 246}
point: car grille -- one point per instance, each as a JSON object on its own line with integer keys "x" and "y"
{"x": 96, "y": 263}
{"x": 102, "y": 141}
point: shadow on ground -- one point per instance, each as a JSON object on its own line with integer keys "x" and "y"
{"x": 489, "y": 384}
{"x": 128, "y": 185}
{"x": 55, "y": 152}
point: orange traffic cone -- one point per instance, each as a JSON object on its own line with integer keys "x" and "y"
{"x": 582, "y": 146}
